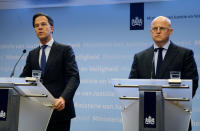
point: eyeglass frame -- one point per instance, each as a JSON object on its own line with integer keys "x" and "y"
{"x": 161, "y": 29}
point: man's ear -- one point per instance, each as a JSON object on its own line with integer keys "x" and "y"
{"x": 52, "y": 29}
{"x": 171, "y": 31}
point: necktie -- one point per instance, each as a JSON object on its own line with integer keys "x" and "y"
{"x": 43, "y": 59}
{"x": 159, "y": 62}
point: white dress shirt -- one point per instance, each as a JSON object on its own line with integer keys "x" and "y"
{"x": 47, "y": 50}
{"x": 166, "y": 46}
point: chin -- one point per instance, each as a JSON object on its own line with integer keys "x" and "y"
{"x": 43, "y": 38}
{"x": 159, "y": 40}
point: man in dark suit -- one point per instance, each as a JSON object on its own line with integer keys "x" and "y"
{"x": 60, "y": 73}
{"x": 164, "y": 56}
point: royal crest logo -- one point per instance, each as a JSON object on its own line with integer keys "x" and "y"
{"x": 137, "y": 16}
{"x": 136, "y": 22}
{"x": 150, "y": 121}
{"x": 2, "y": 114}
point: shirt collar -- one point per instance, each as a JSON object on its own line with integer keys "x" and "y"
{"x": 50, "y": 43}
{"x": 166, "y": 46}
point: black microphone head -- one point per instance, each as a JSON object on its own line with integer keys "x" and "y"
{"x": 24, "y": 51}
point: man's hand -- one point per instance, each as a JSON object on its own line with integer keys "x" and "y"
{"x": 59, "y": 104}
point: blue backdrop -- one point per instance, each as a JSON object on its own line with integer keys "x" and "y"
{"x": 104, "y": 47}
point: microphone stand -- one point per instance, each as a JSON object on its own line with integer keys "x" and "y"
{"x": 13, "y": 71}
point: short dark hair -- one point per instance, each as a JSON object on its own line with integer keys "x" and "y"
{"x": 50, "y": 20}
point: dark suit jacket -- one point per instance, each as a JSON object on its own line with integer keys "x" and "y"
{"x": 176, "y": 59}
{"x": 61, "y": 75}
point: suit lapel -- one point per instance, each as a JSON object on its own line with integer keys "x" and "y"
{"x": 149, "y": 63}
{"x": 37, "y": 51}
{"x": 169, "y": 57}
{"x": 51, "y": 57}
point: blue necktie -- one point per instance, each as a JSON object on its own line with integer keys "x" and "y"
{"x": 159, "y": 62}
{"x": 43, "y": 59}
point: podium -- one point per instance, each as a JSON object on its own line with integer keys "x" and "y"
{"x": 154, "y": 104}
{"x": 24, "y": 106}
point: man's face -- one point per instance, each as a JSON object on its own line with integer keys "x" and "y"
{"x": 43, "y": 29}
{"x": 160, "y": 31}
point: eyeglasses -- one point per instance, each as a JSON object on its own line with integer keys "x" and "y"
{"x": 161, "y": 29}
{"x": 42, "y": 24}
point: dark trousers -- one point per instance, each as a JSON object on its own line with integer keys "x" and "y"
{"x": 59, "y": 125}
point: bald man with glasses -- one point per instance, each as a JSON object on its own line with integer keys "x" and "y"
{"x": 164, "y": 56}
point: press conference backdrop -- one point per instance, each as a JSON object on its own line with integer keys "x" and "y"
{"x": 104, "y": 46}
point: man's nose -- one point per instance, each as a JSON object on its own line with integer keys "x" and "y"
{"x": 40, "y": 27}
{"x": 158, "y": 30}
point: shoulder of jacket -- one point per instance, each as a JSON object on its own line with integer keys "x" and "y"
{"x": 61, "y": 45}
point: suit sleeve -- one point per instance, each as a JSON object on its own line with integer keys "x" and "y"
{"x": 133, "y": 72}
{"x": 71, "y": 74}
{"x": 190, "y": 70}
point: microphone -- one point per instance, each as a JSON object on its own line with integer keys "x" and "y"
{"x": 13, "y": 71}
{"x": 152, "y": 63}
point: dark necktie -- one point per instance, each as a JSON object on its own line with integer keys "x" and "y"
{"x": 43, "y": 59}
{"x": 159, "y": 62}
